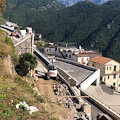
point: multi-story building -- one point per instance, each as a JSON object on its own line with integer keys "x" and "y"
{"x": 109, "y": 70}
{"x": 74, "y": 54}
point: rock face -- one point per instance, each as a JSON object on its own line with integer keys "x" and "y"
{"x": 72, "y": 2}
{"x": 9, "y": 67}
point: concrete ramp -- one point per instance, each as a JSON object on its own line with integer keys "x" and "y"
{"x": 95, "y": 90}
{"x": 83, "y": 75}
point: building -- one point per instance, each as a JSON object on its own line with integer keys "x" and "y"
{"x": 74, "y": 54}
{"x": 10, "y": 24}
{"x": 109, "y": 70}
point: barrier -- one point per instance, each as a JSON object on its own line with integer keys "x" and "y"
{"x": 85, "y": 83}
{"x": 106, "y": 108}
{"x": 76, "y": 63}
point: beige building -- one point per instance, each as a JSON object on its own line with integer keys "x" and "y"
{"x": 109, "y": 70}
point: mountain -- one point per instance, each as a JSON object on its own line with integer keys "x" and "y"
{"x": 23, "y": 11}
{"x": 95, "y": 27}
{"x": 72, "y": 2}
{"x": 69, "y": 2}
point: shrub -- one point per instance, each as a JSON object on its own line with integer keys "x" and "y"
{"x": 2, "y": 97}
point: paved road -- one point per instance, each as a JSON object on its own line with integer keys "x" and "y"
{"x": 76, "y": 72}
{"x": 107, "y": 90}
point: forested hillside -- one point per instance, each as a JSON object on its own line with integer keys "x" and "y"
{"x": 24, "y": 12}
{"x": 93, "y": 26}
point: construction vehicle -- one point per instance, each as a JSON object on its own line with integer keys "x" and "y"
{"x": 51, "y": 68}
{"x": 52, "y": 72}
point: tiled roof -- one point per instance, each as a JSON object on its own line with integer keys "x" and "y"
{"x": 100, "y": 59}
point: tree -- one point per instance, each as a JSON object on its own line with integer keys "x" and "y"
{"x": 2, "y": 5}
{"x": 27, "y": 62}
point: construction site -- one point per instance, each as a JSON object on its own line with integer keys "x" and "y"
{"x": 69, "y": 100}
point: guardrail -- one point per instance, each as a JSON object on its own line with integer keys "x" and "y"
{"x": 106, "y": 108}
{"x": 76, "y": 63}
{"x": 69, "y": 79}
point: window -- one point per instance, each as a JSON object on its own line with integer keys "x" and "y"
{"x": 107, "y": 68}
{"x": 113, "y": 84}
{"x": 93, "y": 64}
{"x": 66, "y": 55}
{"x": 119, "y": 76}
{"x": 51, "y": 67}
{"x": 114, "y": 76}
{"x": 104, "y": 79}
{"x": 110, "y": 67}
{"x": 69, "y": 56}
{"x": 119, "y": 85}
{"x": 108, "y": 77}
{"x": 114, "y": 68}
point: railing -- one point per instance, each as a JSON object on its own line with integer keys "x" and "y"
{"x": 106, "y": 108}
{"x": 76, "y": 63}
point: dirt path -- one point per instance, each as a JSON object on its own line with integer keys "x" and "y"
{"x": 45, "y": 87}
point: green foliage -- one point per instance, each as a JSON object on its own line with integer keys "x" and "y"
{"x": 2, "y": 97}
{"x": 93, "y": 26}
{"x": 14, "y": 56}
{"x": 1, "y": 20}
{"x": 21, "y": 106}
{"x": 33, "y": 9}
{"x": 5, "y": 49}
{"x": 2, "y": 5}
{"x": 21, "y": 118}
{"x": 6, "y": 113}
{"x": 19, "y": 80}
{"x": 2, "y": 105}
{"x": 27, "y": 62}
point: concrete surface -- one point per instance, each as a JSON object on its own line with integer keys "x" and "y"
{"x": 106, "y": 97}
{"x": 76, "y": 72}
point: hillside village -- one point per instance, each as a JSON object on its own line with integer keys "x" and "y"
{"x": 109, "y": 68}
{"x": 46, "y": 81}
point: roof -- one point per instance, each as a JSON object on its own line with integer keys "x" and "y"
{"x": 91, "y": 55}
{"x": 100, "y": 59}
{"x": 81, "y": 55}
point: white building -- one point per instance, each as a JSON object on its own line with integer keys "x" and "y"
{"x": 10, "y": 24}
{"x": 74, "y": 54}
{"x": 23, "y": 32}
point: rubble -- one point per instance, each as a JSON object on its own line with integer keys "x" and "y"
{"x": 31, "y": 109}
{"x": 65, "y": 97}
